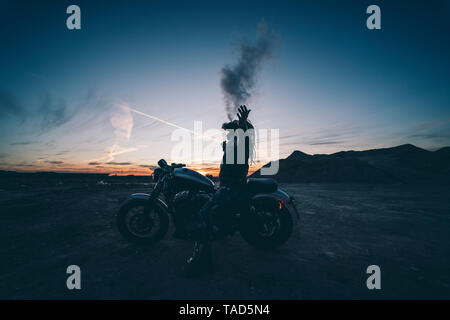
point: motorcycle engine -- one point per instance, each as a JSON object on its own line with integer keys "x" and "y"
{"x": 186, "y": 207}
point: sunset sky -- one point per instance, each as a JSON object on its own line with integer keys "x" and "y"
{"x": 331, "y": 85}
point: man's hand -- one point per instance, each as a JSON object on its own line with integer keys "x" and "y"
{"x": 243, "y": 114}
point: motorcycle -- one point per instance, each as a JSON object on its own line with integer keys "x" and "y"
{"x": 261, "y": 212}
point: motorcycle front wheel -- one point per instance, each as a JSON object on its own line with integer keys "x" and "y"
{"x": 267, "y": 227}
{"x": 142, "y": 222}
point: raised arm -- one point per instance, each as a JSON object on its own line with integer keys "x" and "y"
{"x": 243, "y": 116}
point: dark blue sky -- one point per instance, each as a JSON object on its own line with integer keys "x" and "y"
{"x": 332, "y": 84}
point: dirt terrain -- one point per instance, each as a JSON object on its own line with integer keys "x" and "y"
{"x": 343, "y": 229}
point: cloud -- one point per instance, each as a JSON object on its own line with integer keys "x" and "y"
{"x": 94, "y": 163}
{"x": 113, "y": 151}
{"x": 46, "y": 114}
{"x": 322, "y": 137}
{"x": 53, "y": 114}
{"x": 289, "y": 136}
{"x": 431, "y": 135}
{"x": 9, "y": 105}
{"x": 122, "y": 123}
{"x": 318, "y": 143}
{"x": 23, "y": 165}
{"x": 119, "y": 163}
{"x": 152, "y": 167}
{"x": 432, "y": 132}
{"x": 116, "y": 150}
{"x": 54, "y": 161}
{"x": 21, "y": 143}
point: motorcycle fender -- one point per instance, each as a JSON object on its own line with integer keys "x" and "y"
{"x": 140, "y": 196}
{"x": 146, "y": 196}
{"x": 279, "y": 196}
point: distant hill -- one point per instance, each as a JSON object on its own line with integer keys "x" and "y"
{"x": 406, "y": 163}
{"x": 12, "y": 179}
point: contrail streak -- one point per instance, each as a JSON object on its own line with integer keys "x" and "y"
{"x": 159, "y": 119}
{"x": 168, "y": 123}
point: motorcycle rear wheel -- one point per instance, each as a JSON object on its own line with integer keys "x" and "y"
{"x": 267, "y": 229}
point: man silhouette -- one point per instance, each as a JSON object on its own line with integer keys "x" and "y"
{"x": 232, "y": 177}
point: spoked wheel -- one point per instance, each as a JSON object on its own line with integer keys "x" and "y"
{"x": 267, "y": 226}
{"x": 142, "y": 222}
{"x": 269, "y": 223}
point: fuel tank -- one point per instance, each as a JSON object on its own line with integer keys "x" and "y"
{"x": 186, "y": 179}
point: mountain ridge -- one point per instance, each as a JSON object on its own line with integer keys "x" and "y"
{"x": 403, "y": 163}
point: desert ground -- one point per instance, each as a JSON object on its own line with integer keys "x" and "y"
{"x": 342, "y": 230}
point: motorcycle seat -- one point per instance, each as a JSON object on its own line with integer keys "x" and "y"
{"x": 262, "y": 185}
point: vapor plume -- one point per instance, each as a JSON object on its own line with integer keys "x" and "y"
{"x": 238, "y": 81}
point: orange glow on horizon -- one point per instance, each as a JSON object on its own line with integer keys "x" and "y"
{"x": 127, "y": 170}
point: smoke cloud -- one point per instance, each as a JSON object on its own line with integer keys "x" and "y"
{"x": 238, "y": 81}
